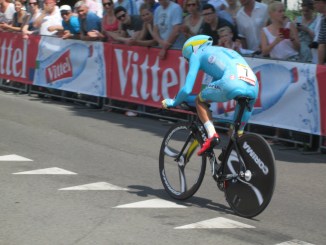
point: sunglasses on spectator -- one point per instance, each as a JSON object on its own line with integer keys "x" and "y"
{"x": 205, "y": 14}
{"x": 107, "y": 4}
{"x": 64, "y": 12}
{"x": 191, "y": 4}
{"x": 121, "y": 16}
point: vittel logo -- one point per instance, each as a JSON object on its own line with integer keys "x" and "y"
{"x": 59, "y": 69}
{"x": 153, "y": 83}
{"x": 13, "y": 59}
{"x": 254, "y": 157}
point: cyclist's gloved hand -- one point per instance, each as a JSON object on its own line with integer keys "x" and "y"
{"x": 167, "y": 103}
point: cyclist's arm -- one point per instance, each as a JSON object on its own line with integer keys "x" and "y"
{"x": 182, "y": 95}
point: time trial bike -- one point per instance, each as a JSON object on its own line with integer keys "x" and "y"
{"x": 244, "y": 170}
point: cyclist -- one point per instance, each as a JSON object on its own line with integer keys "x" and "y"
{"x": 232, "y": 77}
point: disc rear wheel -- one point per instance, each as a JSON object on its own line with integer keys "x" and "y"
{"x": 248, "y": 195}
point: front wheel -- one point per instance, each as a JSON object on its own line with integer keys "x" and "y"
{"x": 249, "y": 195}
{"x": 181, "y": 177}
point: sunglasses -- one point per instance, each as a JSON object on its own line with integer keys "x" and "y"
{"x": 121, "y": 16}
{"x": 107, "y": 4}
{"x": 206, "y": 14}
{"x": 191, "y": 4}
{"x": 64, "y": 12}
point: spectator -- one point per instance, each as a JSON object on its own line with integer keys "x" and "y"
{"x": 7, "y": 10}
{"x": 194, "y": 20}
{"x": 109, "y": 22}
{"x": 320, "y": 7}
{"x": 130, "y": 26}
{"x": 19, "y": 19}
{"x": 219, "y": 5}
{"x": 251, "y": 18}
{"x": 306, "y": 24}
{"x": 145, "y": 38}
{"x": 212, "y": 23}
{"x": 129, "y": 5}
{"x": 89, "y": 22}
{"x": 230, "y": 12}
{"x": 152, "y": 4}
{"x": 279, "y": 40}
{"x": 50, "y": 16}
{"x": 94, "y": 7}
{"x": 226, "y": 38}
{"x": 70, "y": 25}
{"x": 167, "y": 24}
{"x": 35, "y": 12}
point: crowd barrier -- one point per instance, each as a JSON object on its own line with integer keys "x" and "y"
{"x": 291, "y": 97}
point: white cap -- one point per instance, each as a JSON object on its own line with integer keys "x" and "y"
{"x": 65, "y": 7}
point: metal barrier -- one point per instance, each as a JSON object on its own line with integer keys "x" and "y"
{"x": 9, "y": 85}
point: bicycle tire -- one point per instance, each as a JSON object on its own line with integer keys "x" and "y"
{"x": 248, "y": 198}
{"x": 181, "y": 181}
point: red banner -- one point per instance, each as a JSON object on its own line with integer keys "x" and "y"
{"x": 17, "y": 57}
{"x": 321, "y": 74}
{"x": 141, "y": 77}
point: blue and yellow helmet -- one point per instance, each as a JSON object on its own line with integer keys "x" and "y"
{"x": 192, "y": 44}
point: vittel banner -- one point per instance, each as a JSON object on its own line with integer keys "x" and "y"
{"x": 71, "y": 65}
{"x": 17, "y": 57}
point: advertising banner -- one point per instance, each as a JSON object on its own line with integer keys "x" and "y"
{"x": 17, "y": 57}
{"x": 71, "y": 65}
{"x": 288, "y": 96}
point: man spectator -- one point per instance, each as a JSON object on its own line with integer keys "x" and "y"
{"x": 167, "y": 26}
{"x": 251, "y": 18}
{"x": 70, "y": 25}
{"x": 129, "y": 5}
{"x": 50, "y": 16}
{"x": 212, "y": 23}
{"x": 320, "y": 7}
{"x": 152, "y": 4}
{"x": 130, "y": 26}
{"x": 7, "y": 10}
{"x": 90, "y": 23}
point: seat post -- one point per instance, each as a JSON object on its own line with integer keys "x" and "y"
{"x": 243, "y": 102}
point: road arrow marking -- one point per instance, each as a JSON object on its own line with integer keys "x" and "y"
{"x": 153, "y": 203}
{"x": 216, "y": 223}
{"x": 14, "y": 158}
{"x": 295, "y": 242}
{"x": 98, "y": 186}
{"x": 53, "y": 170}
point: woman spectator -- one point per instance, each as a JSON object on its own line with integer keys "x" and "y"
{"x": 145, "y": 37}
{"x": 306, "y": 25}
{"x": 109, "y": 22}
{"x": 35, "y": 12}
{"x": 19, "y": 19}
{"x": 280, "y": 39}
{"x": 193, "y": 21}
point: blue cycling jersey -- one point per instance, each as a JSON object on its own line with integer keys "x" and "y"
{"x": 231, "y": 75}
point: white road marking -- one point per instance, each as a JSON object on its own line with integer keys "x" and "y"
{"x": 295, "y": 242}
{"x": 98, "y": 186}
{"x": 216, "y": 223}
{"x": 152, "y": 203}
{"x": 53, "y": 170}
{"x": 14, "y": 158}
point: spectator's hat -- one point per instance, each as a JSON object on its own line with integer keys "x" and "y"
{"x": 65, "y": 8}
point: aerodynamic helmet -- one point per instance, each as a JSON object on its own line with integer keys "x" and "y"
{"x": 192, "y": 44}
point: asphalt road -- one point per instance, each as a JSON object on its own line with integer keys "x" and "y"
{"x": 74, "y": 175}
